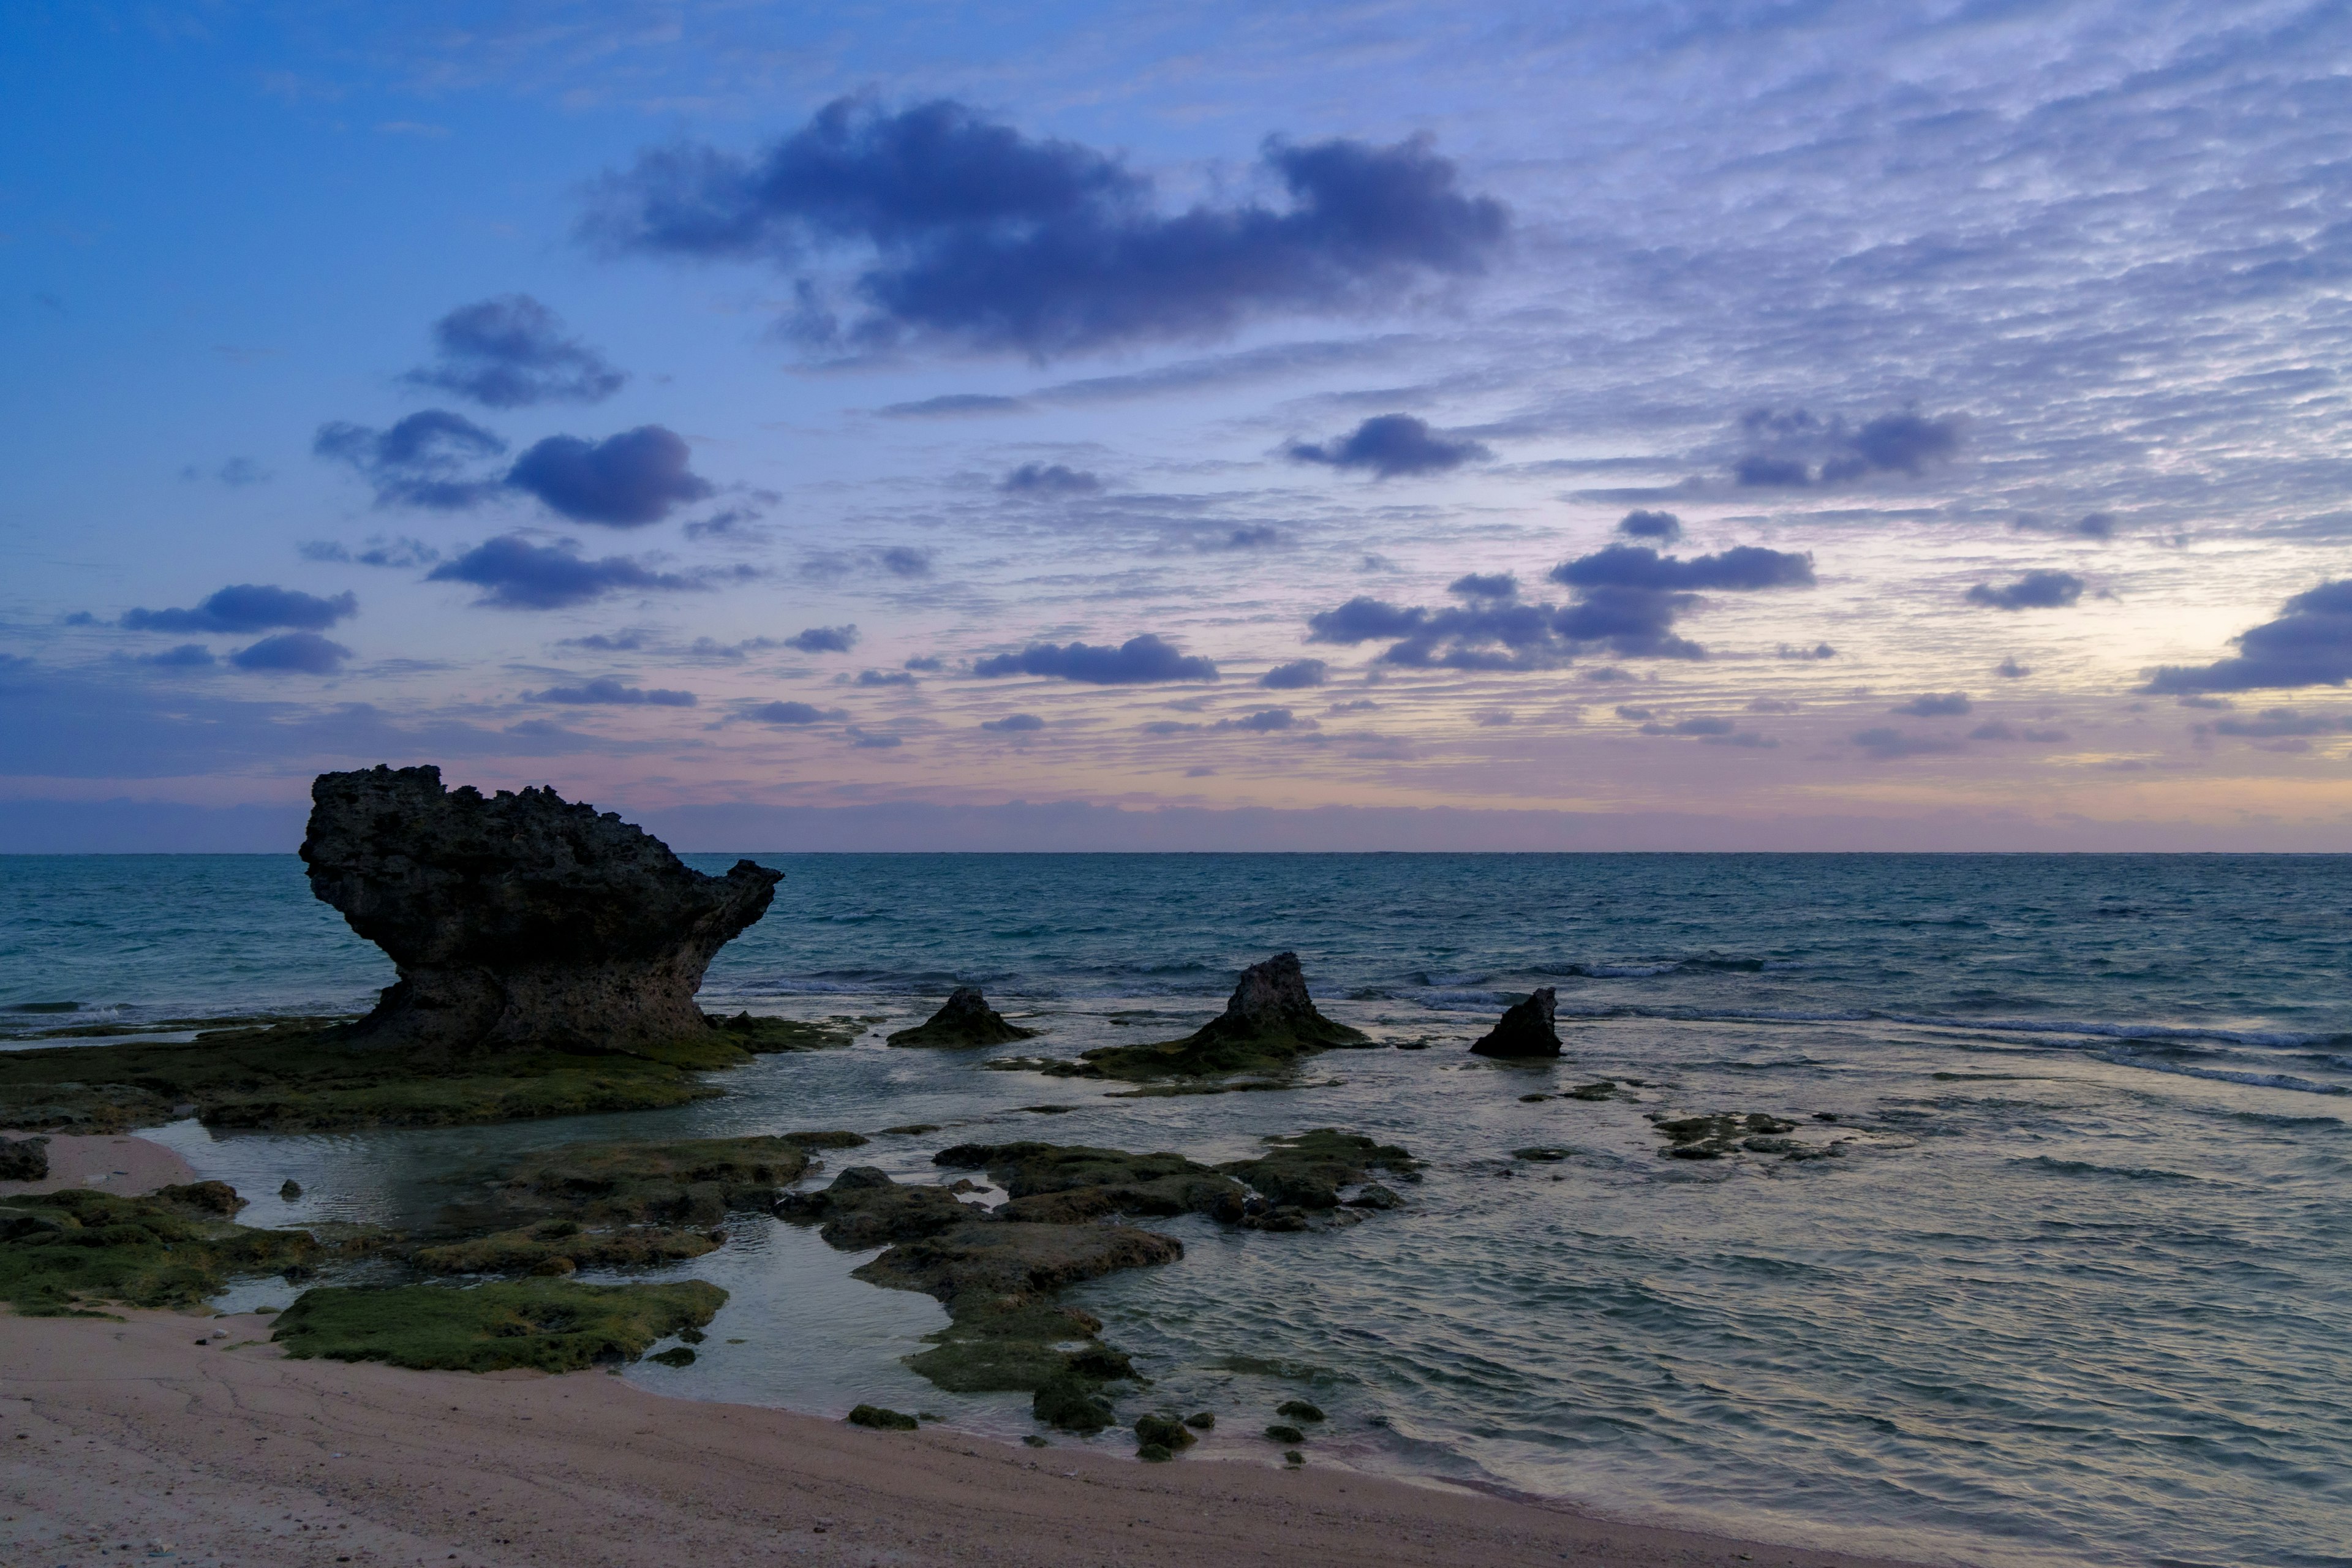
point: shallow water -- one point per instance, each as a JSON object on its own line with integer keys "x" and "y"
{"x": 2075, "y": 1294}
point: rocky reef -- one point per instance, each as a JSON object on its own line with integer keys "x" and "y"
{"x": 1269, "y": 1025}
{"x": 966, "y": 1020}
{"x": 547, "y": 1325}
{"x": 1526, "y": 1031}
{"x": 520, "y": 921}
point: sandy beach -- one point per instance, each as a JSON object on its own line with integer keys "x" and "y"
{"x": 123, "y": 1165}
{"x": 134, "y": 1435}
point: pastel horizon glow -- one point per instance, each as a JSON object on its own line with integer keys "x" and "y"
{"x": 1736, "y": 427}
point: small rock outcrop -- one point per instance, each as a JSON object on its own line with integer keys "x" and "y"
{"x": 1271, "y": 1004}
{"x": 966, "y": 1020}
{"x": 523, "y": 920}
{"x": 1524, "y": 1032}
{"x": 24, "y": 1159}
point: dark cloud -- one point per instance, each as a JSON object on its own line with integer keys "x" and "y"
{"x": 511, "y": 353}
{"x": 1013, "y": 723}
{"x": 1662, "y": 526}
{"x": 1817, "y": 651}
{"x": 292, "y": 653}
{"x": 951, "y": 405}
{"x": 608, "y": 642}
{"x": 237, "y": 473}
{"x": 1642, "y": 714}
{"x": 1997, "y": 730}
{"x": 420, "y": 461}
{"x": 1691, "y": 727}
{"x": 1933, "y": 705}
{"x": 247, "y": 608}
{"x": 903, "y": 560}
{"x": 2037, "y": 590}
{"x": 1770, "y": 705}
{"x": 1256, "y": 536}
{"x": 603, "y": 690}
{"x": 1049, "y": 480}
{"x": 1485, "y": 585}
{"x": 1390, "y": 444}
{"x": 1885, "y": 745}
{"x": 1267, "y": 720}
{"x": 980, "y": 236}
{"x": 520, "y": 576}
{"x": 2310, "y": 644}
{"x": 187, "y": 656}
{"x": 870, "y": 740}
{"x": 1136, "y": 661}
{"x": 823, "y": 639}
{"x": 1796, "y": 449}
{"x": 2275, "y": 721}
{"x": 924, "y": 661}
{"x": 2098, "y": 525}
{"x": 885, "y": 678}
{"x": 2009, "y": 669}
{"x": 1608, "y": 675}
{"x": 1740, "y": 569}
{"x": 735, "y": 522}
{"x": 1296, "y": 675}
{"x": 626, "y": 480}
{"x": 793, "y": 713}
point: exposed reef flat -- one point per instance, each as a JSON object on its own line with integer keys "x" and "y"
{"x": 75, "y": 1251}
{"x": 547, "y": 1325}
{"x": 1269, "y": 1025}
{"x": 967, "y": 1019}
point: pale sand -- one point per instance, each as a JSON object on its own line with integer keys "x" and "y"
{"x": 126, "y": 1165}
{"x": 128, "y": 1434}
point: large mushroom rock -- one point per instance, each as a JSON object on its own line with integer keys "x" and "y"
{"x": 521, "y": 920}
{"x": 966, "y": 1020}
{"x": 1526, "y": 1030}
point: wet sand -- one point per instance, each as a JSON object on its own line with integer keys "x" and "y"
{"x": 128, "y": 1166}
{"x": 130, "y": 1434}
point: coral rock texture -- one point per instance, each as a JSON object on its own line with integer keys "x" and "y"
{"x": 966, "y": 1020}
{"x": 1525, "y": 1031}
{"x": 521, "y": 920}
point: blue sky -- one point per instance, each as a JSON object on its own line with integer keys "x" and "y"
{"x": 1738, "y": 424}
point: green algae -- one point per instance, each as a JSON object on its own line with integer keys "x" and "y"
{"x": 547, "y": 1325}
{"x": 882, "y": 1418}
{"x": 1069, "y": 1183}
{"x": 1306, "y": 1170}
{"x": 67, "y": 1253}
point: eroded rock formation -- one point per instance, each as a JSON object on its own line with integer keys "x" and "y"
{"x": 966, "y": 1020}
{"x": 1526, "y": 1030}
{"x": 521, "y": 920}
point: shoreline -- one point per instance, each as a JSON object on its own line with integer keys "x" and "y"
{"x": 134, "y": 1433}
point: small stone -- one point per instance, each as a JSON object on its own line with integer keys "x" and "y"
{"x": 1299, "y": 1410}
{"x": 1200, "y": 1421}
{"x": 681, "y": 1355}
{"x": 289, "y": 1190}
{"x": 1282, "y": 1431}
{"x": 882, "y": 1418}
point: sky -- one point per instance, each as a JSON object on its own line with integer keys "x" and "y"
{"x": 1747, "y": 425}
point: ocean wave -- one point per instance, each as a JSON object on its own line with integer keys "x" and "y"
{"x": 2287, "y": 1080}
{"x": 2087, "y": 1168}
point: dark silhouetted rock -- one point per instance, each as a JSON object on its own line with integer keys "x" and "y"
{"x": 521, "y": 920}
{"x": 1269, "y": 1025}
{"x": 24, "y": 1159}
{"x": 1526, "y": 1031}
{"x": 966, "y": 1020}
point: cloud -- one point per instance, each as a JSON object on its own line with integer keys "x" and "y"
{"x": 247, "y": 608}
{"x": 1047, "y": 480}
{"x": 520, "y": 576}
{"x": 420, "y": 461}
{"x": 1255, "y": 536}
{"x": 1355, "y": 705}
{"x": 1390, "y": 444}
{"x": 924, "y": 661}
{"x": 401, "y": 552}
{"x": 626, "y": 480}
{"x": 511, "y": 353}
{"x": 2275, "y": 721}
{"x": 1817, "y": 651}
{"x": 606, "y": 691}
{"x": 1486, "y": 585}
{"x": 1997, "y": 730}
{"x": 1265, "y": 721}
{"x": 1770, "y": 705}
{"x": 734, "y": 523}
{"x": 793, "y": 713}
{"x": 976, "y": 235}
{"x": 903, "y": 560}
{"x": 2037, "y": 590}
{"x": 1136, "y": 661}
{"x": 1662, "y": 526}
{"x": 292, "y": 653}
{"x": 952, "y": 406}
{"x": 1644, "y": 714}
{"x": 1013, "y": 723}
{"x": 2098, "y": 525}
{"x": 187, "y": 656}
{"x": 885, "y": 678}
{"x": 1292, "y": 677}
{"x": 1797, "y": 449}
{"x": 1885, "y": 745}
{"x": 823, "y": 639}
{"x": 1690, "y": 727}
{"x": 608, "y": 642}
{"x": 1741, "y": 569}
{"x": 2009, "y": 669}
{"x": 868, "y": 740}
{"x": 2310, "y": 644}
{"x": 1933, "y": 705}
{"x": 237, "y": 473}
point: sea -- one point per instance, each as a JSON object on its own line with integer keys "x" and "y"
{"x": 2079, "y": 1290}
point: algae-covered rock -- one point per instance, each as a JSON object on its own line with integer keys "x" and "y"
{"x": 1299, "y": 1410}
{"x": 1270, "y": 1024}
{"x": 986, "y": 1257}
{"x": 1306, "y": 1170}
{"x": 548, "y": 1325}
{"x": 1726, "y": 1132}
{"x": 1068, "y": 1183}
{"x": 882, "y": 1418}
{"x": 1600, "y": 1089}
{"x": 863, "y": 1207}
{"x": 966, "y": 1020}
{"x": 67, "y": 1253}
{"x": 1282, "y": 1431}
{"x": 764, "y": 1036}
{"x": 1526, "y": 1031}
{"x": 676, "y": 1355}
{"x": 1071, "y": 1402}
{"x": 1017, "y": 1346}
{"x": 1165, "y": 1432}
{"x": 24, "y": 1159}
{"x": 520, "y": 920}
{"x": 204, "y": 1198}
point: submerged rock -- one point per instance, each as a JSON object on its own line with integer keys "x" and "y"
{"x": 1524, "y": 1032}
{"x": 966, "y": 1020}
{"x": 521, "y": 920}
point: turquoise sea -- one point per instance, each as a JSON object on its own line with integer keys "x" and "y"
{"x": 2078, "y": 1292}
